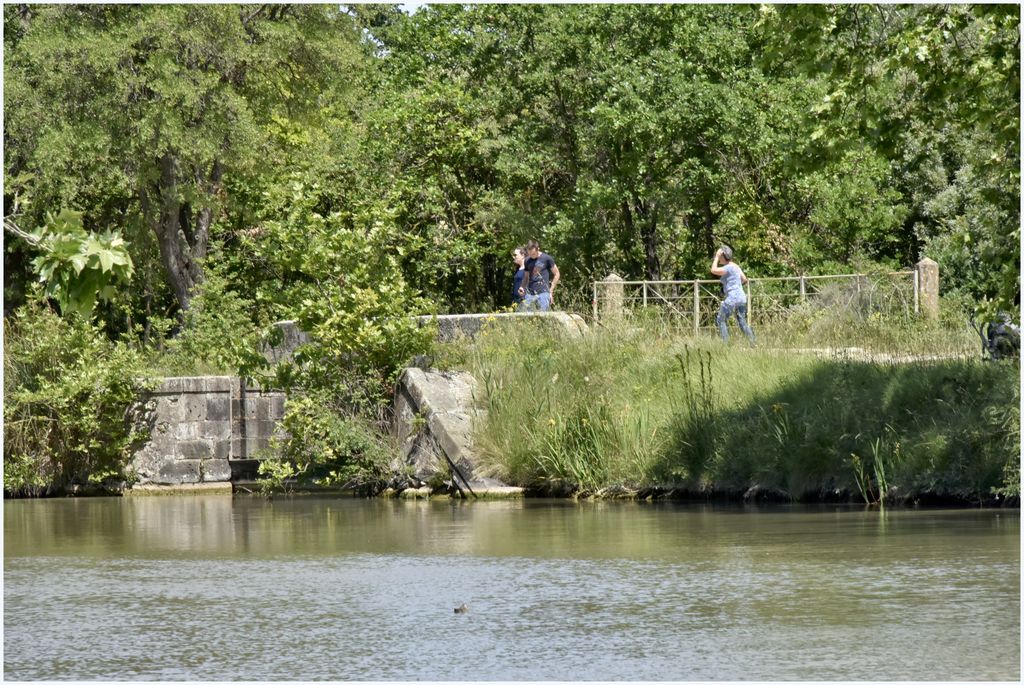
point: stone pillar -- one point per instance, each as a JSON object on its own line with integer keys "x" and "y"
{"x": 928, "y": 288}
{"x": 611, "y": 308}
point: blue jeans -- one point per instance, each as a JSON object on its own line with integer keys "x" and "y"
{"x": 540, "y": 302}
{"x": 725, "y": 312}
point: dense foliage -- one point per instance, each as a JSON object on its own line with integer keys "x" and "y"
{"x": 188, "y": 174}
{"x": 628, "y": 138}
{"x": 67, "y": 391}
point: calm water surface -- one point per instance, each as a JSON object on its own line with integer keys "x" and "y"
{"x": 215, "y": 588}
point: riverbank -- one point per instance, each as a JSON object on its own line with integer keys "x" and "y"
{"x": 629, "y": 410}
{"x": 640, "y": 410}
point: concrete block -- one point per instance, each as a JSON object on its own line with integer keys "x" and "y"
{"x": 194, "y": 407}
{"x": 218, "y": 384}
{"x": 168, "y": 408}
{"x": 244, "y": 408}
{"x": 263, "y": 408}
{"x": 216, "y": 470}
{"x": 170, "y": 386}
{"x": 222, "y": 448}
{"x": 188, "y": 430}
{"x": 178, "y": 472}
{"x": 218, "y": 407}
{"x": 195, "y": 449}
{"x": 216, "y": 430}
{"x": 277, "y": 406}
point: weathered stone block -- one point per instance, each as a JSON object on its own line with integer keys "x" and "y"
{"x": 263, "y": 408}
{"x": 177, "y": 472}
{"x": 168, "y": 408}
{"x": 222, "y": 448}
{"x": 216, "y": 430}
{"x": 253, "y": 428}
{"x": 205, "y": 418}
{"x": 218, "y": 384}
{"x": 171, "y": 386}
{"x": 216, "y": 470}
{"x": 290, "y": 338}
{"x": 248, "y": 448}
{"x": 244, "y": 408}
{"x": 195, "y": 449}
{"x": 277, "y": 406}
{"x": 190, "y": 430}
{"x": 257, "y": 444}
{"x": 193, "y": 407}
{"x": 218, "y": 408}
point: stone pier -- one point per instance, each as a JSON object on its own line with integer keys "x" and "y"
{"x": 202, "y": 429}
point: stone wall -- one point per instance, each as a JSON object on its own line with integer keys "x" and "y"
{"x": 467, "y": 326}
{"x": 203, "y": 428}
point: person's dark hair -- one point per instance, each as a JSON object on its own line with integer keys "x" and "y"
{"x": 520, "y": 249}
{"x": 726, "y": 253}
{"x": 532, "y": 244}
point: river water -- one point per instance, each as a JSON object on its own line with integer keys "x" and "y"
{"x": 313, "y": 588}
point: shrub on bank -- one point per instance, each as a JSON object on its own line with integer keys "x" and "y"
{"x": 649, "y": 407}
{"x": 67, "y": 389}
{"x": 327, "y": 445}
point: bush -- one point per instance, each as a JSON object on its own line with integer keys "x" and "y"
{"x": 67, "y": 390}
{"x": 218, "y": 336}
{"x": 327, "y": 445}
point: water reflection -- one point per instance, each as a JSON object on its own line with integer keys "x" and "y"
{"x": 316, "y": 588}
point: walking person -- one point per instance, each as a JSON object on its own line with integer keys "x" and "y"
{"x": 541, "y": 278}
{"x": 518, "y": 287}
{"x": 733, "y": 280}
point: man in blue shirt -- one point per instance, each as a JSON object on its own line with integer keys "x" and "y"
{"x": 733, "y": 280}
{"x": 541, "y": 278}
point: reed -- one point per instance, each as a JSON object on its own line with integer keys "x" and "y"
{"x": 642, "y": 404}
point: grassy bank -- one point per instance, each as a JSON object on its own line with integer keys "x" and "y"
{"x": 645, "y": 406}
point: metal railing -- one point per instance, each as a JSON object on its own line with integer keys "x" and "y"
{"x": 768, "y": 299}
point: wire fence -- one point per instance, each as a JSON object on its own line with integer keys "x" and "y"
{"x": 768, "y": 299}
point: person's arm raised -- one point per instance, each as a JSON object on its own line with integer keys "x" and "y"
{"x": 715, "y": 269}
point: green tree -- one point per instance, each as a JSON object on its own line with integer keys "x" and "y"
{"x": 935, "y": 89}
{"x": 138, "y": 116}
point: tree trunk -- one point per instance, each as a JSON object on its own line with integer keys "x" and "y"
{"x": 627, "y": 238}
{"x": 183, "y": 235}
{"x": 704, "y": 235}
{"x": 649, "y": 235}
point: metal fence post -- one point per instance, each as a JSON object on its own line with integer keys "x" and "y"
{"x": 645, "y": 294}
{"x": 750, "y": 300}
{"x": 803, "y": 290}
{"x": 917, "y": 296}
{"x": 696, "y": 307}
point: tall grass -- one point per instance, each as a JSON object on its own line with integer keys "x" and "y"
{"x": 644, "y": 403}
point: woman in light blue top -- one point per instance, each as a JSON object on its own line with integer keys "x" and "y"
{"x": 733, "y": 280}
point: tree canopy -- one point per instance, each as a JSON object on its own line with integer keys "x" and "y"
{"x": 356, "y": 162}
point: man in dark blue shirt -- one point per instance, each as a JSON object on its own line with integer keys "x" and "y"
{"x": 541, "y": 278}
